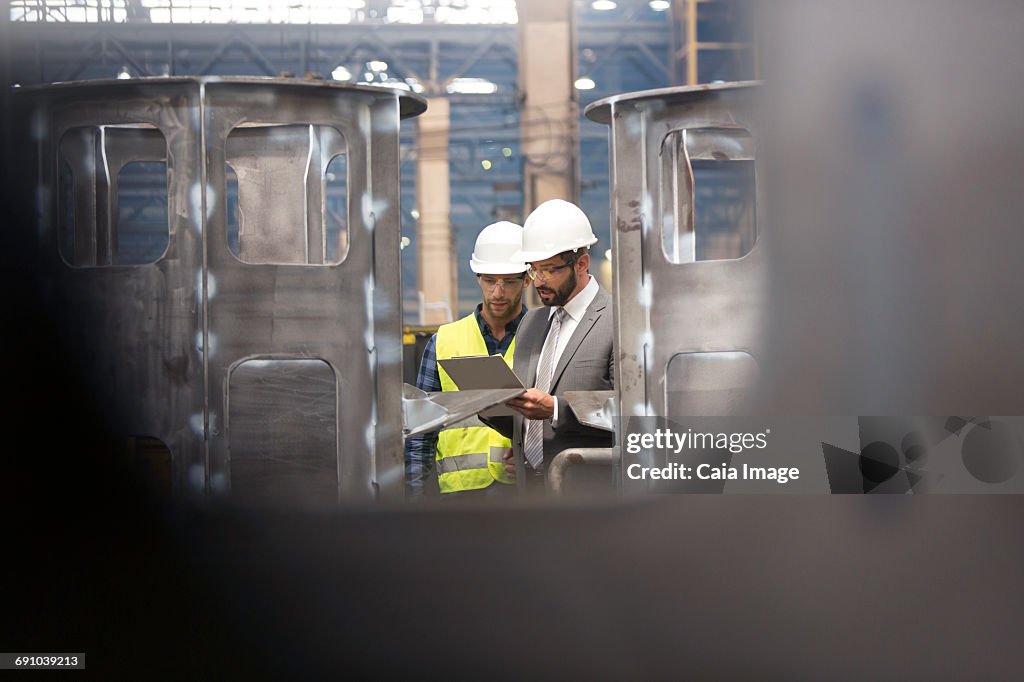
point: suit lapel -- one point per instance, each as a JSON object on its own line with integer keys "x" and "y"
{"x": 538, "y": 341}
{"x": 593, "y": 313}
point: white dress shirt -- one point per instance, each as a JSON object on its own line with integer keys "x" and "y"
{"x": 575, "y": 309}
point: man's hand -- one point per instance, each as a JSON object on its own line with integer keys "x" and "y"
{"x": 510, "y": 463}
{"x": 534, "y": 404}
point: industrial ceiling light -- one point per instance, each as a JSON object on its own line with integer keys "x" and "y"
{"x": 659, "y": 5}
{"x": 585, "y": 83}
{"x": 340, "y": 73}
{"x": 377, "y": 66}
{"x": 471, "y": 86}
{"x": 486, "y": 164}
{"x": 408, "y": 14}
{"x": 603, "y": 5}
{"x": 123, "y": 74}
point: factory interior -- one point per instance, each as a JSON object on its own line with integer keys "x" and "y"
{"x": 246, "y": 242}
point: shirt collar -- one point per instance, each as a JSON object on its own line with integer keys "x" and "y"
{"x": 510, "y": 327}
{"x": 577, "y": 307}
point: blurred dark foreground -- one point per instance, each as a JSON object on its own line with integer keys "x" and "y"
{"x": 719, "y": 587}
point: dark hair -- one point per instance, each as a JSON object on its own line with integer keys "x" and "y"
{"x": 572, "y": 256}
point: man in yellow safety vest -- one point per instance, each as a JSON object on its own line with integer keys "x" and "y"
{"x": 468, "y": 456}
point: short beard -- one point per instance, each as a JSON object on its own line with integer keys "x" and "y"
{"x": 510, "y": 312}
{"x": 564, "y": 292}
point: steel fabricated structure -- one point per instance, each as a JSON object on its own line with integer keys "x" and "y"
{"x": 223, "y": 256}
{"x": 821, "y": 324}
{"x": 685, "y": 233}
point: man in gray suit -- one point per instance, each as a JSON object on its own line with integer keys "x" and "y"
{"x": 564, "y": 346}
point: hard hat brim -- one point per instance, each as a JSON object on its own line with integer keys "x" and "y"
{"x": 482, "y": 268}
{"x": 534, "y": 256}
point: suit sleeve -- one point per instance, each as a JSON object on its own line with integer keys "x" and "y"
{"x": 567, "y": 422}
{"x": 611, "y": 368}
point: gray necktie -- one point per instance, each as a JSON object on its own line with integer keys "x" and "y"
{"x": 533, "y": 441}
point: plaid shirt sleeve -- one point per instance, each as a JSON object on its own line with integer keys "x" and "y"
{"x": 420, "y": 451}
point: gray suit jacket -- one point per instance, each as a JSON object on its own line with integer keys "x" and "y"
{"x": 586, "y": 364}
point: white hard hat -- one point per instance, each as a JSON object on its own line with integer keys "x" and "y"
{"x": 496, "y": 246}
{"x": 553, "y": 227}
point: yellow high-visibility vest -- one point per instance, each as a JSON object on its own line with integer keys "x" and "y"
{"x": 469, "y": 454}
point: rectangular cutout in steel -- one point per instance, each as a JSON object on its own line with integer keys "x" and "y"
{"x": 113, "y": 194}
{"x": 709, "y": 384}
{"x": 151, "y": 461}
{"x": 268, "y": 167}
{"x": 708, "y": 191}
{"x": 282, "y": 432}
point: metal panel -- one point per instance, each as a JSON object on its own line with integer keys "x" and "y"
{"x": 133, "y": 328}
{"x": 284, "y": 436}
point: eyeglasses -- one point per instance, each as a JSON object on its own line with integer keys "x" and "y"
{"x": 490, "y": 283}
{"x": 546, "y": 273}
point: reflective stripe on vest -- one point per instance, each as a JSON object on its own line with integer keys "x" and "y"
{"x": 470, "y": 446}
{"x": 475, "y": 460}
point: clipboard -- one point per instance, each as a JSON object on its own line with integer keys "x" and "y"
{"x": 483, "y": 372}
